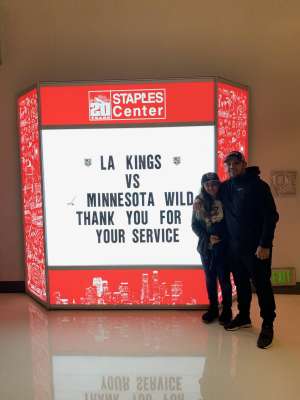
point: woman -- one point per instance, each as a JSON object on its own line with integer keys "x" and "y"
{"x": 209, "y": 225}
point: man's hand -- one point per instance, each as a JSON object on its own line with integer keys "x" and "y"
{"x": 214, "y": 239}
{"x": 262, "y": 253}
{"x": 198, "y": 204}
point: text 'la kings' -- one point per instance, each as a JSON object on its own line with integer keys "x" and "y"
{"x": 132, "y": 162}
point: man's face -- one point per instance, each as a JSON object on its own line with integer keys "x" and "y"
{"x": 235, "y": 167}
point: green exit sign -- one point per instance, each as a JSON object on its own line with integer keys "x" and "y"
{"x": 283, "y": 276}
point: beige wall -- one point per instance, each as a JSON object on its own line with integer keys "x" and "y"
{"x": 253, "y": 42}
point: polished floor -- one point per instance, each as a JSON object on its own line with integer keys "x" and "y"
{"x": 143, "y": 355}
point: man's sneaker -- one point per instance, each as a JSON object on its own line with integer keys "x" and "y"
{"x": 225, "y": 316}
{"x": 237, "y": 323}
{"x": 265, "y": 337}
{"x": 210, "y": 315}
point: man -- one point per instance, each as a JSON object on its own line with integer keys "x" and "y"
{"x": 251, "y": 217}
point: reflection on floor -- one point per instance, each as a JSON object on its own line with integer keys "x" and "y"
{"x": 143, "y": 355}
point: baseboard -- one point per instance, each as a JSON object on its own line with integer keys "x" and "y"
{"x": 12, "y": 286}
{"x": 287, "y": 289}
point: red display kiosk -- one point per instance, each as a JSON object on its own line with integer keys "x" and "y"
{"x": 109, "y": 173}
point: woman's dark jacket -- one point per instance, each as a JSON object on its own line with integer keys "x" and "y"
{"x": 205, "y": 225}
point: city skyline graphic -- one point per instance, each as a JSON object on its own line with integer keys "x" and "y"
{"x": 151, "y": 290}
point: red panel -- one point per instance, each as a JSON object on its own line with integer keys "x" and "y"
{"x": 232, "y": 130}
{"x": 32, "y": 194}
{"x": 127, "y": 287}
{"x": 161, "y": 102}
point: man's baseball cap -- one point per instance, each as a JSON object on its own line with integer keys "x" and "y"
{"x": 235, "y": 154}
{"x": 210, "y": 176}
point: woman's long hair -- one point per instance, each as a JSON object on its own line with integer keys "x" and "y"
{"x": 207, "y": 201}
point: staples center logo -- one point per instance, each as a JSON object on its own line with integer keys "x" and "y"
{"x": 137, "y": 104}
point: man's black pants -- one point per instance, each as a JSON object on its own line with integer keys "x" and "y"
{"x": 249, "y": 267}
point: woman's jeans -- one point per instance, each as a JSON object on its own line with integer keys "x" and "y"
{"x": 217, "y": 269}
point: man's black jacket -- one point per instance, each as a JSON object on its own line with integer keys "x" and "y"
{"x": 250, "y": 212}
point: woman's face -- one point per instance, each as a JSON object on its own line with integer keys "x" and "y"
{"x": 212, "y": 187}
